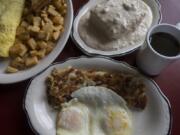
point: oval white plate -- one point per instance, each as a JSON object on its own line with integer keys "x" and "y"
{"x": 45, "y": 62}
{"x": 156, "y": 10}
{"x": 156, "y": 119}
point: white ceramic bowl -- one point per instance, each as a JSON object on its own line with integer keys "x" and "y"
{"x": 156, "y": 119}
{"x": 45, "y": 62}
{"x": 156, "y": 10}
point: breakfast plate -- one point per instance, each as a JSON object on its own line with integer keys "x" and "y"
{"x": 155, "y": 119}
{"x": 6, "y": 78}
{"x": 88, "y": 49}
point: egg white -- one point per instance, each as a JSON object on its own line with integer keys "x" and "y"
{"x": 116, "y": 121}
{"x": 73, "y": 119}
{"x": 95, "y": 111}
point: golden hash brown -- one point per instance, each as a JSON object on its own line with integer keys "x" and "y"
{"x": 62, "y": 82}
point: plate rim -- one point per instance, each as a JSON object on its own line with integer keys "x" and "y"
{"x": 35, "y": 70}
{"x": 116, "y": 54}
{"x": 100, "y": 57}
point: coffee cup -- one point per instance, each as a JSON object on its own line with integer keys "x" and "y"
{"x": 161, "y": 47}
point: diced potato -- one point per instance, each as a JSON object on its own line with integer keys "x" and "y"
{"x": 20, "y": 30}
{"x": 41, "y": 54}
{"x": 24, "y": 24}
{"x": 61, "y": 6}
{"x": 22, "y": 49}
{"x": 31, "y": 61}
{"x": 18, "y": 50}
{"x": 43, "y": 11}
{"x": 32, "y": 43}
{"x": 56, "y": 35}
{"x": 38, "y": 5}
{"x": 26, "y": 11}
{"x": 63, "y": 9}
{"x": 50, "y": 43}
{"x": 58, "y": 28}
{"x": 58, "y": 20}
{"x": 42, "y": 44}
{"x": 52, "y": 11}
{"x": 42, "y": 23}
{"x": 19, "y": 59}
{"x": 33, "y": 53}
{"x": 36, "y": 21}
{"x": 10, "y": 69}
{"x": 49, "y": 49}
{"x": 18, "y": 63}
{"x": 48, "y": 36}
{"x": 33, "y": 28}
{"x": 17, "y": 41}
{"x": 48, "y": 28}
{"x": 30, "y": 18}
{"x": 23, "y": 36}
{"x": 50, "y": 46}
{"x": 44, "y": 14}
{"x": 58, "y": 4}
{"x": 36, "y": 35}
{"x": 47, "y": 20}
{"x": 41, "y": 35}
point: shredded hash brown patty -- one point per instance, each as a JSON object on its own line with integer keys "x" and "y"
{"x": 63, "y": 82}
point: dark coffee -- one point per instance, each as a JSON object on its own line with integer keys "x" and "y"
{"x": 165, "y": 44}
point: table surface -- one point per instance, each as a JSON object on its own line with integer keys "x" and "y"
{"x": 12, "y": 117}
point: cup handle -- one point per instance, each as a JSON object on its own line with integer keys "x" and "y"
{"x": 178, "y": 25}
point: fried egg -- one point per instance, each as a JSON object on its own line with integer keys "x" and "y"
{"x": 94, "y": 111}
{"x": 73, "y": 119}
{"x": 116, "y": 121}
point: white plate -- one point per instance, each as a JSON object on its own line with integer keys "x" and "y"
{"x": 156, "y": 10}
{"x": 45, "y": 62}
{"x": 154, "y": 120}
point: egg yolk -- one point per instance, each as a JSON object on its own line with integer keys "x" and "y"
{"x": 116, "y": 122}
{"x": 70, "y": 120}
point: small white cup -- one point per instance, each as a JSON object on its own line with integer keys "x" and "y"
{"x": 149, "y": 60}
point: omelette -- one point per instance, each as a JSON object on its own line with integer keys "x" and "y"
{"x": 10, "y": 16}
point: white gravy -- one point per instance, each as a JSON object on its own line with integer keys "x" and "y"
{"x": 98, "y": 38}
